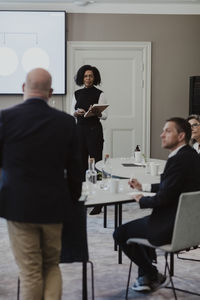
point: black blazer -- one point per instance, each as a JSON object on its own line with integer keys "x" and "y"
{"x": 40, "y": 162}
{"x": 181, "y": 174}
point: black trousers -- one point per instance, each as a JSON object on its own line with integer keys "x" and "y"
{"x": 141, "y": 255}
{"x": 91, "y": 143}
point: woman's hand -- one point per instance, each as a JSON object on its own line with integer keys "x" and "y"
{"x": 96, "y": 112}
{"x": 79, "y": 112}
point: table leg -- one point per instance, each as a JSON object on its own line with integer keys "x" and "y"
{"x": 116, "y": 224}
{"x": 84, "y": 281}
{"x": 105, "y": 216}
{"x": 120, "y": 214}
{"x": 120, "y": 223}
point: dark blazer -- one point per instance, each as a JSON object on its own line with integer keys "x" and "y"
{"x": 40, "y": 160}
{"x": 181, "y": 174}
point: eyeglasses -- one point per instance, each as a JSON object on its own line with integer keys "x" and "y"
{"x": 195, "y": 125}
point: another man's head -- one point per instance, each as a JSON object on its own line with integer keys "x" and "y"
{"x": 38, "y": 84}
{"x": 176, "y": 132}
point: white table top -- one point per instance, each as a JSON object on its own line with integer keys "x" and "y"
{"x": 118, "y": 170}
{"x": 105, "y": 197}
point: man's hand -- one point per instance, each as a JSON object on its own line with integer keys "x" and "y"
{"x": 138, "y": 197}
{"x": 135, "y": 184}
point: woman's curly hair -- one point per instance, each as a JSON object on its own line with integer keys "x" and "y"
{"x": 80, "y": 75}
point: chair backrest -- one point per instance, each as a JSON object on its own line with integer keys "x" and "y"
{"x": 186, "y": 231}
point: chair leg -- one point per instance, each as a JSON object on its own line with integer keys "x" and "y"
{"x": 128, "y": 281}
{"x": 170, "y": 276}
{"x": 165, "y": 271}
{"x": 172, "y": 264}
{"x": 172, "y": 283}
{"x": 18, "y": 288}
{"x": 92, "y": 278}
{"x": 191, "y": 259}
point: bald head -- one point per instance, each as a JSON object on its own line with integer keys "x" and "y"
{"x": 38, "y": 84}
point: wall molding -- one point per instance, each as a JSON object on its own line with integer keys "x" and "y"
{"x": 172, "y": 8}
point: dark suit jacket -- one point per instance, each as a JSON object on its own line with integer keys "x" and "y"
{"x": 40, "y": 160}
{"x": 181, "y": 174}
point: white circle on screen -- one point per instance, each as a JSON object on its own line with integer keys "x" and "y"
{"x": 35, "y": 58}
{"x": 8, "y": 61}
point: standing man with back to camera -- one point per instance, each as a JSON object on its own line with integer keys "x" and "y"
{"x": 40, "y": 182}
{"x": 181, "y": 174}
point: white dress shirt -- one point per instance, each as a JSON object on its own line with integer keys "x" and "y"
{"x": 196, "y": 146}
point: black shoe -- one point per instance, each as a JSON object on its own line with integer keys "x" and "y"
{"x": 96, "y": 210}
{"x": 142, "y": 284}
{"x": 160, "y": 282}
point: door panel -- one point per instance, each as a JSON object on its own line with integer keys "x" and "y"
{"x": 123, "y": 69}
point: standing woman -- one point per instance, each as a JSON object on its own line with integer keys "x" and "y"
{"x": 194, "y": 121}
{"x": 90, "y": 129}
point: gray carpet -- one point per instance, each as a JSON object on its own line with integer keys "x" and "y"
{"x": 110, "y": 277}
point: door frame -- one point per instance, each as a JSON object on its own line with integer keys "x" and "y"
{"x": 145, "y": 47}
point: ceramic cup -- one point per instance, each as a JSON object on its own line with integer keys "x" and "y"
{"x": 154, "y": 168}
{"x": 114, "y": 187}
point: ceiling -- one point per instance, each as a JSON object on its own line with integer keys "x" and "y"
{"x": 108, "y": 6}
{"x": 106, "y": 1}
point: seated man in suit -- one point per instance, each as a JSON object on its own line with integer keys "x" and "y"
{"x": 181, "y": 174}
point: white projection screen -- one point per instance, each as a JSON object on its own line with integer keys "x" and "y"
{"x": 28, "y": 40}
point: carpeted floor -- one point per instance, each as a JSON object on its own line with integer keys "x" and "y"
{"x": 110, "y": 277}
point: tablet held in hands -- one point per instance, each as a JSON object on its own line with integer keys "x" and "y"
{"x": 97, "y": 108}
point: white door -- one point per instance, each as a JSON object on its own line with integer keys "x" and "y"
{"x": 125, "y": 72}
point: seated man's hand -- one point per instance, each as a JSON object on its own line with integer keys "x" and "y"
{"x": 135, "y": 184}
{"x": 138, "y": 197}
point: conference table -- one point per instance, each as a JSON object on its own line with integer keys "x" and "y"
{"x": 108, "y": 198}
{"x": 123, "y": 169}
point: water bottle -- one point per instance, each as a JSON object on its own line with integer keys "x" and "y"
{"x": 91, "y": 176}
{"x": 106, "y": 172}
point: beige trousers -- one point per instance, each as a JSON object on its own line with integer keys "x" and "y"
{"x": 36, "y": 248}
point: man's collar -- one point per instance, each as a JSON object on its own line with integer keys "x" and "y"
{"x": 175, "y": 151}
{"x": 36, "y": 98}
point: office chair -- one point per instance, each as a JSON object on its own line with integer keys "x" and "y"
{"x": 187, "y": 221}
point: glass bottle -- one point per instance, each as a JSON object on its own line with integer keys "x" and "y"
{"x": 138, "y": 154}
{"x": 106, "y": 172}
{"x": 137, "y": 148}
{"x": 91, "y": 176}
